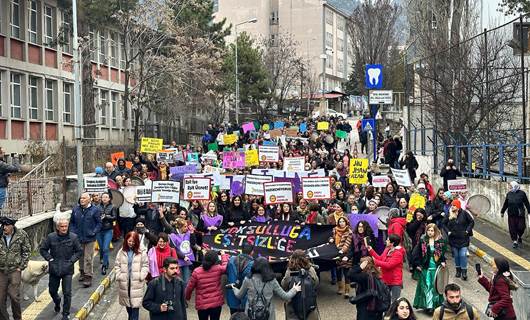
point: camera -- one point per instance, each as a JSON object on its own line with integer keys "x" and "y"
{"x": 169, "y": 304}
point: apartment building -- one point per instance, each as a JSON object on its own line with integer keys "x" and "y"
{"x": 36, "y": 80}
{"x": 319, "y": 28}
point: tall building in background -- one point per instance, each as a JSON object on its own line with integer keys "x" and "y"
{"x": 319, "y": 28}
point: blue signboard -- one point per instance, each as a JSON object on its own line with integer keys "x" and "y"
{"x": 369, "y": 125}
{"x": 374, "y": 76}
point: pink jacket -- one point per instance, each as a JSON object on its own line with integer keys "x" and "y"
{"x": 209, "y": 293}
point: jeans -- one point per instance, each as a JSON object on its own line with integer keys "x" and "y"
{"x": 66, "y": 284}
{"x": 104, "y": 237}
{"x": 210, "y": 314}
{"x": 342, "y": 273}
{"x": 185, "y": 272}
{"x": 3, "y": 195}
{"x": 333, "y": 272}
{"x": 460, "y": 255}
{"x": 395, "y": 292}
{"x": 134, "y": 313}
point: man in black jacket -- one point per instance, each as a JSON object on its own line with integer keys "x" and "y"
{"x": 449, "y": 172}
{"x": 164, "y": 298}
{"x": 61, "y": 249}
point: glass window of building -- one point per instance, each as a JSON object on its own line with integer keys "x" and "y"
{"x": 16, "y": 88}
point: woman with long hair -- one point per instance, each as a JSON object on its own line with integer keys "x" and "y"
{"x": 158, "y": 254}
{"x": 299, "y": 262}
{"x": 104, "y": 236}
{"x": 210, "y": 220}
{"x": 287, "y": 214}
{"x": 314, "y": 216}
{"x": 195, "y": 211}
{"x": 342, "y": 238}
{"x": 237, "y": 214}
{"x": 459, "y": 226}
{"x": 263, "y": 283}
{"x": 206, "y": 281}
{"x": 500, "y": 303}
{"x": 358, "y": 249}
{"x": 261, "y": 215}
{"x": 363, "y": 275}
{"x": 401, "y": 309}
{"x": 223, "y": 206}
{"x": 428, "y": 256}
{"x": 131, "y": 271}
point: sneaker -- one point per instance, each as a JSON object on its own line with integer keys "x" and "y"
{"x": 103, "y": 270}
{"x": 515, "y": 245}
{"x": 65, "y": 317}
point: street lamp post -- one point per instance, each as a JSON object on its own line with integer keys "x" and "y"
{"x": 253, "y": 20}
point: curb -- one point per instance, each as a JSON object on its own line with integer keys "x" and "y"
{"x": 95, "y": 296}
{"x": 481, "y": 254}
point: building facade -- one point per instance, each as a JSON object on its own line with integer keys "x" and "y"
{"x": 319, "y": 28}
{"x": 36, "y": 79}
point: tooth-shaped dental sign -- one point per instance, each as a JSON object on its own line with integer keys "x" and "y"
{"x": 373, "y": 74}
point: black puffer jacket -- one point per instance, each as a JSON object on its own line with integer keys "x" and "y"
{"x": 515, "y": 203}
{"x": 5, "y": 170}
{"x": 108, "y": 216}
{"x": 459, "y": 229}
{"x": 65, "y": 250}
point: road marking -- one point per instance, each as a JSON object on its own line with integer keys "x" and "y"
{"x": 35, "y": 308}
{"x": 501, "y": 250}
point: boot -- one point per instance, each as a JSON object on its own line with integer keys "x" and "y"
{"x": 458, "y": 272}
{"x": 464, "y": 274}
{"x": 87, "y": 281}
{"x": 340, "y": 286}
{"x": 347, "y": 291}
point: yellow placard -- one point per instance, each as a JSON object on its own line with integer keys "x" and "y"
{"x": 151, "y": 145}
{"x": 251, "y": 158}
{"x": 358, "y": 171}
{"x": 473, "y": 166}
{"x": 323, "y": 125}
{"x": 416, "y": 201}
{"x": 266, "y": 127}
{"x": 229, "y": 139}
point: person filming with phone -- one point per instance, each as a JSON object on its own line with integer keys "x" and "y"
{"x": 500, "y": 303}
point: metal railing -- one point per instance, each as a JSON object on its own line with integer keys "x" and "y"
{"x": 26, "y": 198}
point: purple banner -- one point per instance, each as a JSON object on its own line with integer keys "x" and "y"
{"x": 177, "y": 173}
{"x": 372, "y": 220}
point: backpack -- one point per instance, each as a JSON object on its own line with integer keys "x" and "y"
{"x": 381, "y": 295}
{"x": 258, "y": 308}
{"x": 469, "y": 310}
{"x": 304, "y": 302}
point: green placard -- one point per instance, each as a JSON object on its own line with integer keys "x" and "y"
{"x": 213, "y": 146}
{"x": 341, "y": 134}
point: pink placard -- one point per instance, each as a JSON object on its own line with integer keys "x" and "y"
{"x": 249, "y": 126}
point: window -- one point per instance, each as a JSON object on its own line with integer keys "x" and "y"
{"x": 340, "y": 65}
{"x": 329, "y": 40}
{"x": 114, "y": 109}
{"x": 67, "y": 102}
{"x": 33, "y": 94}
{"x": 32, "y": 21}
{"x": 340, "y": 23}
{"x": 329, "y": 17}
{"x": 102, "y": 48}
{"x": 15, "y": 18}
{"x": 103, "y": 107}
{"x": 329, "y": 61}
{"x": 114, "y": 50}
{"x": 49, "y": 110}
{"x": 16, "y": 109}
{"x": 66, "y": 32}
{"x": 340, "y": 45}
{"x": 48, "y": 26}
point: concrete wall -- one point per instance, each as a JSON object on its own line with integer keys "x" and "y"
{"x": 37, "y": 227}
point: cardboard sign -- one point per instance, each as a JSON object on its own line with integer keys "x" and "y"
{"x": 95, "y": 184}
{"x": 251, "y": 158}
{"x": 165, "y": 191}
{"x": 254, "y": 184}
{"x": 233, "y": 160}
{"x": 294, "y": 164}
{"x": 197, "y": 188}
{"x": 275, "y": 133}
{"x": 291, "y": 132}
{"x": 316, "y": 188}
{"x": 278, "y": 192}
{"x": 143, "y": 194}
{"x": 166, "y": 156}
{"x": 323, "y": 126}
{"x": 380, "y": 181}
{"x": 151, "y": 145}
{"x": 230, "y": 139}
{"x": 269, "y": 153}
{"x": 458, "y": 185}
{"x": 402, "y": 177}
{"x": 358, "y": 171}
{"x": 114, "y": 157}
{"x": 249, "y": 126}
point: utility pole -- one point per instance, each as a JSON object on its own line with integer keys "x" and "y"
{"x": 77, "y": 103}
{"x": 253, "y": 20}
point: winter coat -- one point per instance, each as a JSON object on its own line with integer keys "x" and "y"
{"x": 388, "y": 200}
{"x": 86, "y": 222}
{"x": 344, "y": 247}
{"x": 460, "y": 314}
{"x": 422, "y": 252}
{"x": 515, "y": 203}
{"x": 62, "y": 252}
{"x": 415, "y": 229}
{"x": 159, "y": 291}
{"x": 449, "y": 174}
{"x": 435, "y": 209}
{"x": 207, "y": 283}
{"x": 139, "y": 269}
{"x": 108, "y": 216}
{"x": 500, "y": 299}
{"x": 397, "y": 226}
{"x": 391, "y": 264}
{"x": 362, "y": 279}
{"x": 459, "y": 229}
{"x": 252, "y": 286}
{"x": 237, "y": 270}
{"x": 289, "y": 309}
{"x": 16, "y": 256}
{"x": 5, "y": 170}
{"x": 411, "y": 164}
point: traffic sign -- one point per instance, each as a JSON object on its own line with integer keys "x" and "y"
{"x": 368, "y": 124}
{"x": 374, "y": 76}
{"x": 380, "y": 97}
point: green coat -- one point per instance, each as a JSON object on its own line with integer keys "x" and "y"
{"x": 16, "y": 256}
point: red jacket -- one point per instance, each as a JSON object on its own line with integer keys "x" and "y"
{"x": 209, "y": 293}
{"x": 397, "y": 226}
{"x": 499, "y": 296}
{"x": 391, "y": 264}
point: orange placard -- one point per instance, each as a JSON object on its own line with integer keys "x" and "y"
{"x": 128, "y": 164}
{"x": 114, "y": 157}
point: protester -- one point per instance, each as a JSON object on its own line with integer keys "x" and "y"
{"x": 342, "y": 238}
{"x": 261, "y": 287}
{"x": 516, "y": 201}
{"x": 261, "y": 215}
{"x": 454, "y": 307}
{"x": 132, "y": 267}
{"x": 62, "y": 250}
{"x": 410, "y": 163}
{"x": 104, "y": 236}
{"x": 459, "y": 226}
{"x": 158, "y": 254}
{"x": 206, "y": 281}
{"x": 359, "y": 248}
{"x": 164, "y": 297}
{"x": 127, "y": 215}
{"x": 5, "y": 172}
{"x": 401, "y": 309}
{"x": 210, "y": 220}
{"x": 362, "y": 275}
{"x": 500, "y": 289}
{"x": 449, "y": 172}
{"x": 239, "y": 267}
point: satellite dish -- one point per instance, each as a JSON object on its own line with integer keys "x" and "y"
{"x": 382, "y": 214}
{"x": 137, "y": 181}
{"x": 117, "y": 198}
